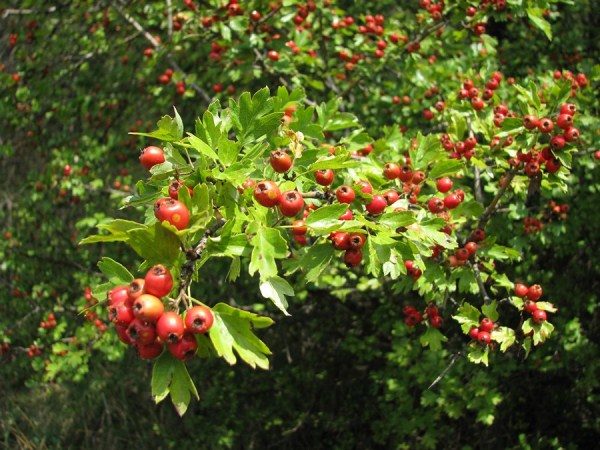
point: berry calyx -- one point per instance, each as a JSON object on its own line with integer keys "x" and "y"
{"x": 199, "y": 319}
{"x": 290, "y": 203}
{"x": 267, "y": 193}
{"x": 170, "y": 327}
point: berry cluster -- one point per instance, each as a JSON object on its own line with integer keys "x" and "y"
{"x": 482, "y": 333}
{"x": 413, "y": 317}
{"x": 461, "y": 149}
{"x": 475, "y": 96}
{"x": 531, "y": 294}
{"x": 140, "y": 319}
{"x": 49, "y": 323}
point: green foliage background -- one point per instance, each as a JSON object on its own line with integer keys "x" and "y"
{"x": 346, "y": 372}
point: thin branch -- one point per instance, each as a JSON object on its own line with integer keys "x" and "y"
{"x": 489, "y": 211}
{"x": 453, "y": 360}
{"x": 475, "y": 268}
{"x": 478, "y": 190}
{"x": 170, "y": 19}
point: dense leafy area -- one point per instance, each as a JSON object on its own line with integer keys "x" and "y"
{"x": 383, "y": 332}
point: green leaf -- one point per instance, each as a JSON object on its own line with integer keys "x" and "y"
{"x": 535, "y": 15}
{"x": 468, "y": 209}
{"x": 490, "y": 310}
{"x": 115, "y": 272}
{"x": 168, "y": 129}
{"x": 444, "y": 168}
{"x": 325, "y": 217}
{"x": 504, "y": 336}
{"x": 276, "y": 289}
{"x": 478, "y": 354}
{"x": 170, "y": 376}
{"x": 202, "y": 147}
{"x": 162, "y": 372}
{"x": 546, "y": 306}
{"x": 316, "y": 260}
{"x": 232, "y": 330}
{"x": 269, "y": 245}
{"x": 468, "y": 317}
{"x": 117, "y": 228}
{"x": 432, "y": 338}
{"x": 155, "y": 244}
{"x": 397, "y": 219}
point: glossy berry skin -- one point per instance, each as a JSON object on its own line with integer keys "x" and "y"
{"x": 121, "y": 313}
{"x": 444, "y": 184}
{"x": 531, "y": 122}
{"x": 546, "y": 125}
{"x": 568, "y": 108}
{"x": 357, "y": 240}
{"x": 564, "y": 121}
{"x": 158, "y": 281}
{"x": 169, "y": 327}
{"x": 149, "y": 351}
{"x": 267, "y": 193}
{"x": 273, "y": 55}
{"x": 377, "y": 205}
{"x": 474, "y": 333}
{"x": 571, "y": 134}
{"x": 117, "y": 295}
{"x": 122, "y": 334}
{"x": 141, "y": 332}
{"x": 280, "y": 161}
{"x": 391, "y": 171}
{"x": 348, "y": 215}
{"x": 324, "y": 177}
{"x": 557, "y": 142}
{"x": 365, "y": 187}
{"x": 299, "y": 227}
{"x": 185, "y": 348}
{"x": 290, "y": 203}
{"x": 521, "y": 290}
{"x": 534, "y": 292}
{"x": 484, "y": 337}
{"x": 148, "y": 308}
{"x": 340, "y": 240}
{"x": 486, "y": 325}
{"x": 135, "y": 289}
{"x": 539, "y": 316}
{"x": 478, "y": 235}
{"x": 530, "y": 306}
{"x": 462, "y": 254}
{"x": 152, "y": 156}
{"x": 199, "y": 319}
{"x": 471, "y": 247}
{"x": 391, "y": 196}
{"x": 436, "y": 321}
{"x": 173, "y": 211}
{"x": 353, "y": 257}
{"x": 435, "y": 205}
{"x": 345, "y": 194}
{"x": 451, "y": 201}
{"x": 406, "y": 174}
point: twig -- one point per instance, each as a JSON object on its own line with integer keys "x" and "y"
{"x": 446, "y": 370}
{"x": 489, "y": 211}
{"x": 170, "y": 19}
{"x": 475, "y": 268}
{"x": 478, "y": 190}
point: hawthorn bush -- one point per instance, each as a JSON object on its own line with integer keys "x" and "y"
{"x": 407, "y": 190}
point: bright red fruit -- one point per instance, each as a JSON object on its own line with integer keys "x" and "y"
{"x": 484, "y": 337}
{"x": 391, "y": 171}
{"x": 169, "y": 327}
{"x": 158, "y": 281}
{"x": 345, "y": 194}
{"x": 435, "y": 204}
{"x": 149, "y": 351}
{"x": 117, "y": 295}
{"x": 185, "y": 348}
{"x": 443, "y": 185}
{"x": 141, "y": 332}
{"x": 486, "y": 325}
{"x": 451, "y": 201}
{"x": 173, "y": 211}
{"x": 290, "y": 203}
{"x": 353, "y": 257}
{"x": 376, "y": 205}
{"x": 539, "y": 316}
{"x": 267, "y": 193}
{"x": 152, "y": 156}
{"x": 299, "y": 227}
{"x": 534, "y": 292}
{"x": 474, "y": 333}
{"x": 135, "y": 289}
{"x": 199, "y": 319}
{"x": 324, "y": 177}
{"x": 280, "y": 161}
{"x": 121, "y": 312}
{"x": 521, "y": 290}
{"x": 148, "y": 308}
{"x": 357, "y": 240}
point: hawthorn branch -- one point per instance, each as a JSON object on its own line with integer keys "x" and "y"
{"x": 482, "y": 290}
{"x": 491, "y": 208}
{"x": 439, "y": 378}
{"x": 194, "y": 254}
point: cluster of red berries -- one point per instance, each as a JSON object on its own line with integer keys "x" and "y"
{"x": 92, "y": 316}
{"x": 412, "y": 270}
{"x": 532, "y": 294}
{"x": 302, "y": 12}
{"x": 534, "y": 159}
{"x": 165, "y": 78}
{"x": 218, "y": 88}
{"x": 483, "y": 333}
{"x": 267, "y": 194}
{"x": 532, "y": 225}
{"x": 462, "y": 255}
{"x": 578, "y": 81}
{"x": 438, "y": 205}
{"x": 475, "y": 96}
{"x": 33, "y": 351}
{"x": 49, "y": 323}
{"x": 558, "y": 210}
{"x": 140, "y": 319}
{"x": 461, "y": 149}
{"x": 351, "y": 244}
{"x": 435, "y": 9}
{"x": 413, "y": 317}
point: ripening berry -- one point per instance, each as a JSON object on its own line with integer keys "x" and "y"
{"x": 539, "y": 316}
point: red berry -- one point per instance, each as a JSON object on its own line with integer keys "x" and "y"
{"x": 121, "y": 312}
{"x": 471, "y": 247}
{"x": 546, "y": 125}
{"x": 568, "y": 108}
{"x": 534, "y": 292}
{"x": 484, "y": 337}
{"x": 391, "y": 171}
{"x": 376, "y": 205}
{"x": 444, "y": 184}
{"x": 169, "y": 327}
{"x": 451, "y": 201}
{"x": 280, "y": 161}
{"x": 539, "y": 316}
{"x": 530, "y": 306}
{"x": 356, "y": 240}
{"x": 199, "y": 319}
{"x": 185, "y": 348}
{"x": 152, "y": 156}
{"x": 273, "y": 55}
{"x": 406, "y": 174}
{"x": 141, "y": 332}
{"x": 521, "y": 290}
{"x": 391, "y": 196}
{"x": 353, "y": 257}
{"x": 117, "y": 295}
{"x": 267, "y": 193}
{"x": 148, "y": 308}
{"x": 347, "y": 215}
{"x": 158, "y": 281}
{"x": 435, "y": 204}
{"x": 345, "y": 194}
{"x": 149, "y": 351}
{"x": 299, "y": 227}
{"x": 135, "y": 289}
{"x": 571, "y": 134}
{"x": 564, "y": 121}
{"x": 173, "y": 211}
{"x": 290, "y": 203}
{"x": 486, "y": 325}
{"x": 365, "y": 187}
{"x": 436, "y": 321}
{"x": 340, "y": 240}
{"x": 474, "y": 333}
{"x": 324, "y": 177}
{"x": 531, "y": 122}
